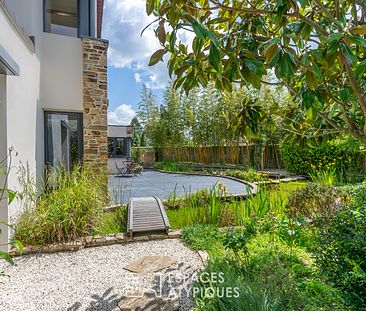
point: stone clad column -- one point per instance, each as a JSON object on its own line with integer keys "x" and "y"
{"x": 95, "y": 102}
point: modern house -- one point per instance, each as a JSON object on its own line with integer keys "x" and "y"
{"x": 53, "y": 88}
{"x": 119, "y": 146}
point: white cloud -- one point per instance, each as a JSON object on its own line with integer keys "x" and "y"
{"x": 123, "y": 22}
{"x": 138, "y": 77}
{"x": 122, "y": 115}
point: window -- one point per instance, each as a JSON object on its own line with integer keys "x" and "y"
{"x": 119, "y": 147}
{"x": 63, "y": 139}
{"x": 61, "y": 17}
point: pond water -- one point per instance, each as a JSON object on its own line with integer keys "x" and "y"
{"x": 153, "y": 183}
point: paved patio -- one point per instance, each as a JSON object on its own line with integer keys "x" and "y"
{"x": 153, "y": 183}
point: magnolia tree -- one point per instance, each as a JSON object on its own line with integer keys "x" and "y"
{"x": 315, "y": 48}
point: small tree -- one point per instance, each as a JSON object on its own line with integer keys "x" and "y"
{"x": 315, "y": 48}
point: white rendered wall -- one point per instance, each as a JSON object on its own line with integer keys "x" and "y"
{"x": 120, "y": 131}
{"x": 22, "y": 98}
{"x": 3, "y": 148}
{"x": 26, "y": 13}
{"x": 61, "y": 73}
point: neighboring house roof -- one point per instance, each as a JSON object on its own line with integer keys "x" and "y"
{"x": 99, "y": 17}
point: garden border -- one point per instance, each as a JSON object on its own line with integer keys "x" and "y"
{"x": 253, "y": 186}
{"x": 94, "y": 241}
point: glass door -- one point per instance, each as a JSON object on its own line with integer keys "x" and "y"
{"x": 63, "y": 139}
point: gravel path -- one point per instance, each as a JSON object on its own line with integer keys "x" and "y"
{"x": 92, "y": 278}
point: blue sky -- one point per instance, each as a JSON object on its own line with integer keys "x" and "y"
{"x": 128, "y": 58}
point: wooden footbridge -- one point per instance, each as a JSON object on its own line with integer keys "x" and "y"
{"x": 147, "y": 215}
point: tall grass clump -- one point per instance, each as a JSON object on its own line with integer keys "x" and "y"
{"x": 66, "y": 211}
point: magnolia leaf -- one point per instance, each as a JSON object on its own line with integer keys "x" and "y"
{"x": 157, "y": 56}
{"x": 348, "y": 53}
{"x": 214, "y": 57}
{"x": 199, "y": 30}
{"x": 332, "y": 47}
{"x": 274, "y": 60}
{"x": 311, "y": 80}
{"x": 308, "y": 99}
{"x": 316, "y": 71}
{"x": 150, "y": 4}
{"x": 172, "y": 39}
{"x": 270, "y": 52}
{"x": 256, "y": 66}
{"x": 171, "y": 66}
{"x": 161, "y": 34}
{"x": 359, "y": 30}
{"x": 213, "y": 38}
{"x": 357, "y": 40}
{"x": 197, "y": 45}
{"x": 361, "y": 70}
{"x": 334, "y": 37}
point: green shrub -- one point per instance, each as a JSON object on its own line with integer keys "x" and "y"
{"x": 274, "y": 278}
{"x": 315, "y": 203}
{"x": 67, "y": 212}
{"x": 250, "y": 175}
{"x": 340, "y": 253}
{"x": 337, "y": 156}
{"x": 356, "y": 195}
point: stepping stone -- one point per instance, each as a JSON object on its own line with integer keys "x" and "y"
{"x": 150, "y": 264}
{"x": 148, "y": 302}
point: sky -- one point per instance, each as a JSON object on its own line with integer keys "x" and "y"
{"x": 128, "y": 58}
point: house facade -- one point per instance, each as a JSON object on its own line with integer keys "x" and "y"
{"x": 53, "y": 89}
{"x": 119, "y": 147}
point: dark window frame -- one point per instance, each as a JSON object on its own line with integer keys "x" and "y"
{"x": 79, "y": 116}
{"x": 85, "y": 21}
{"x": 113, "y": 154}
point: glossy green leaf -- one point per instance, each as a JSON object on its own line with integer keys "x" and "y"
{"x": 332, "y": 47}
{"x": 199, "y": 30}
{"x": 335, "y": 37}
{"x": 150, "y": 4}
{"x": 308, "y": 98}
{"x": 348, "y": 53}
{"x": 157, "y": 56}
{"x": 214, "y": 57}
{"x": 359, "y": 30}
{"x": 197, "y": 45}
{"x": 357, "y": 40}
{"x": 256, "y": 66}
{"x": 311, "y": 80}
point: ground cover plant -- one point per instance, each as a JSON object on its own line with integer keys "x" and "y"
{"x": 308, "y": 255}
{"x": 264, "y": 272}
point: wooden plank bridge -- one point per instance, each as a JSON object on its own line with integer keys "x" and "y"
{"x": 147, "y": 215}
